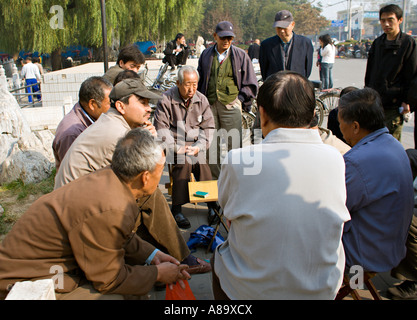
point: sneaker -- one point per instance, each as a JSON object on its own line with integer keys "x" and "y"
{"x": 404, "y": 291}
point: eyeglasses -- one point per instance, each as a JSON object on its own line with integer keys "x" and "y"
{"x": 229, "y": 38}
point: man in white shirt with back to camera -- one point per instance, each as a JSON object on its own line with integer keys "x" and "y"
{"x": 287, "y": 210}
{"x": 30, "y": 72}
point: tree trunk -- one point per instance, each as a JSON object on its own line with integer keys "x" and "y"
{"x": 56, "y": 60}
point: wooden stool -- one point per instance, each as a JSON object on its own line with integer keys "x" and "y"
{"x": 211, "y": 188}
{"x": 346, "y": 289}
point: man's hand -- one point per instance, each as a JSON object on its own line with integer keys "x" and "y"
{"x": 170, "y": 273}
{"x": 192, "y": 151}
{"x": 148, "y": 125}
{"x": 161, "y": 257}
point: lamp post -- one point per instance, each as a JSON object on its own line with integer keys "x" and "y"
{"x": 104, "y": 31}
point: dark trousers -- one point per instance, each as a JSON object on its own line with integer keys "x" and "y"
{"x": 218, "y": 292}
{"x": 181, "y": 174}
{"x": 175, "y": 60}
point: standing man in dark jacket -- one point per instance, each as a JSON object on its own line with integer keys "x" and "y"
{"x": 391, "y": 68}
{"x": 286, "y": 50}
{"x": 253, "y": 50}
{"x": 228, "y": 80}
{"x": 176, "y": 52}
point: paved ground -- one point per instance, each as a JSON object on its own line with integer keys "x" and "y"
{"x": 346, "y": 73}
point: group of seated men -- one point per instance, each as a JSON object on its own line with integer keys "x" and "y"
{"x": 301, "y": 211}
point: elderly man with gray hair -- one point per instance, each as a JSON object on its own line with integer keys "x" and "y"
{"x": 86, "y": 229}
{"x": 184, "y": 121}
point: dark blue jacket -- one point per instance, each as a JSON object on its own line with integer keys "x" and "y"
{"x": 301, "y": 56}
{"x": 243, "y": 72}
{"x": 380, "y": 199}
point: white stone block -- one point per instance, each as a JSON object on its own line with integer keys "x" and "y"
{"x": 33, "y": 290}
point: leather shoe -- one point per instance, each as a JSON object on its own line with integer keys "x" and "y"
{"x": 407, "y": 290}
{"x": 212, "y": 217}
{"x": 201, "y": 267}
{"x": 182, "y": 222}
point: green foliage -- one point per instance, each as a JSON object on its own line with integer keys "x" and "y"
{"x": 26, "y": 25}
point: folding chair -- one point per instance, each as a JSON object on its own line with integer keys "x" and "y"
{"x": 211, "y": 188}
{"x": 346, "y": 289}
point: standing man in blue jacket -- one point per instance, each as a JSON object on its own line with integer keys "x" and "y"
{"x": 286, "y": 50}
{"x": 228, "y": 80}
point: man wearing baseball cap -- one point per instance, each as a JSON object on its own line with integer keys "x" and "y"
{"x": 228, "y": 80}
{"x": 94, "y": 148}
{"x": 287, "y": 50}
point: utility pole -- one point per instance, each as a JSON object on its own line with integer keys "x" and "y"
{"x": 404, "y": 16}
{"x": 104, "y": 31}
{"x": 350, "y": 19}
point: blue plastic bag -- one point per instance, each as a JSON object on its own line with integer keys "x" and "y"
{"x": 202, "y": 237}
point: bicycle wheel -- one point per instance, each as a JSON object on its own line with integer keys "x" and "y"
{"x": 330, "y": 100}
{"x": 320, "y": 111}
{"x": 248, "y": 119}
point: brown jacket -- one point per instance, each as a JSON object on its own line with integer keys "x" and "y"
{"x": 87, "y": 229}
{"x": 71, "y": 126}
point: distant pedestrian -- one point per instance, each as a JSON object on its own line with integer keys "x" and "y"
{"x": 32, "y": 76}
{"x": 327, "y": 54}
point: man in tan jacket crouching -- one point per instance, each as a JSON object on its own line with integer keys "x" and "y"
{"x": 87, "y": 229}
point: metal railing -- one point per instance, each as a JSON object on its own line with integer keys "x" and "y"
{"x": 21, "y": 96}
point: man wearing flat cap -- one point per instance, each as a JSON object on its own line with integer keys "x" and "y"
{"x": 287, "y": 50}
{"x": 94, "y": 149}
{"x": 228, "y": 80}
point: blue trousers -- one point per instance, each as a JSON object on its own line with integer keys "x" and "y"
{"x": 33, "y": 89}
{"x": 326, "y": 75}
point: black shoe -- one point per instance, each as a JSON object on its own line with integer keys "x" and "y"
{"x": 404, "y": 291}
{"x": 182, "y": 222}
{"x": 212, "y": 218}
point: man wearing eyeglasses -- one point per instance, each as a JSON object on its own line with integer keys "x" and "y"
{"x": 228, "y": 80}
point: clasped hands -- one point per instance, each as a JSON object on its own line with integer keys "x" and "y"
{"x": 188, "y": 150}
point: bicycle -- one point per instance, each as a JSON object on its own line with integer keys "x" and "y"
{"x": 326, "y": 100}
{"x": 161, "y": 83}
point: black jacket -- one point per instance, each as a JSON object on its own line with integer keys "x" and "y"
{"x": 172, "y": 45}
{"x": 391, "y": 69}
{"x": 301, "y": 56}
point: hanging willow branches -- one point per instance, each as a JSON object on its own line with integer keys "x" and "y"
{"x": 48, "y": 25}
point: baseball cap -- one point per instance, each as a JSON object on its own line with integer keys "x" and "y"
{"x": 132, "y": 86}
{"x": 283, "y": 19}
{"x": 225, "y": 29}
